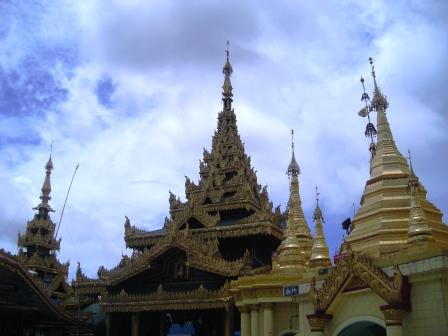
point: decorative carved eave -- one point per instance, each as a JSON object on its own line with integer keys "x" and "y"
{"x": 11, "y": 264}
{"x": 201, "y": 253}
{"x": 219, "y": 232}
{"x": 355, "y": 271}
{"x": 49, "y": 264}
{"x": 193, "y": 210}
{"x": 38, "y": 239}
{"x": 200, "y": 298}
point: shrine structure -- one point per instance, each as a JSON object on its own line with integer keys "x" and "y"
{"x": 180, "y": 274}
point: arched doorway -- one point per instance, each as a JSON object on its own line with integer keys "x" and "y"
{"x": 364, "y": 328}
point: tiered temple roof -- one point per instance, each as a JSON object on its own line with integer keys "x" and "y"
{"x": 226, "y": 227}
{"x": 38, "y": 246}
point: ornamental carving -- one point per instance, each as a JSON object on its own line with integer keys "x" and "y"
{"x": 392, "y": 315}
{"x": 394, "y": 290}
{"x": 200, "y": 298}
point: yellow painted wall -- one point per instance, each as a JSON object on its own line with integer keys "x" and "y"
{"x": 363, "y": 305}
{"x": 282, "y": 312}
{"x": 429, "y": 296}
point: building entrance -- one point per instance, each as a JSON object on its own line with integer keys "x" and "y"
{"x": 364, "y": 328}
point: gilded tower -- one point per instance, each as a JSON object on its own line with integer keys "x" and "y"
{"x": 38, "y": 246}
{"x": 294, "y": 251}
{"x": 319, "y": 253}
{"x": 394, "y": 210}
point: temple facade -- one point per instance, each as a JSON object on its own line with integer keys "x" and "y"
{"x": 390, "y": 276}
{"x": 226, "y": 262}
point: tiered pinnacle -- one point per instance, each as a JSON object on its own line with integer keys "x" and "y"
{"x": 319, "y": 253}
{"x": 418, "y": 229}
{"x": 38, "y": 246}
{"x": 46, "y": 189}
{"x": 295, "y": 249}
{"x": 228, "y": 187}
{"x": 392, "y": 207}
{"x": 227, "y": 86}
{"x": 387, "y": 159}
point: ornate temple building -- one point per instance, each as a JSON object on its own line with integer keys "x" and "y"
{"x": 227, "y": 263}
{"x": 35, "y": 298}
{"x": 181, "y": 273}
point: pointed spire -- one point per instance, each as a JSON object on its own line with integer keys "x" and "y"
{"x": 320, "y": 255}
{"x": 295, "y": 215}
{"x": 227, "y": 86}
{"x": 295, "y": 249}
{"x": 410, "y": 162}
{"x": 46, "y": 187}
{"x": 387, "y": 158}
{"x": 293, "y": 168}
{"x": 418, "y": 226}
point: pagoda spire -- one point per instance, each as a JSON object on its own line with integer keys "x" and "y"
{"x": 46, "y": 189}
{"x": 319, "y": 253}
{"x": 387, "y": 158}
{"x": 227, "y": 86}
{"x": 418, "y": 227}
{"x": 295, "y": 215}
{"x": 290, "y": 253}
{"x": 295, "y": 249}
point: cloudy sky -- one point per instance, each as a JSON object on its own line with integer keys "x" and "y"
{"x": 130, "y": 90}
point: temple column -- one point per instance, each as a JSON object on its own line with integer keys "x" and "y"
{"x": 135, "y": 322}
{"x": 254, "y": 323}
{"x": 393, "y": 319}
{"x": 317, "y": 323}
{"x": 245, "y": 321}
{"x": 268, "y": 319}
{"x": 108, "y": 324}
{"x": 228, "y": 321}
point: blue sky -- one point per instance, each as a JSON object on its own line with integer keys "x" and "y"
{"x": 130, "y": 90}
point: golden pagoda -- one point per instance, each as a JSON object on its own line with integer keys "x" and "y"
{"x": 39, "y": 245}
{"x": 294, "y": 251}
{"x": 381, "y": 227}
{"x": 390, "y": 275}
{"x": 320, "y": 255}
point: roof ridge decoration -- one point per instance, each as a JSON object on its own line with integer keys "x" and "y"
{"x": 320, "y": 255}
{"x": 199, "y": 298}
{"x": 201, "y": 253}
{"x": 395, "y": 290}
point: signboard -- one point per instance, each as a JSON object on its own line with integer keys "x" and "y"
{"x": 291, "y": 290}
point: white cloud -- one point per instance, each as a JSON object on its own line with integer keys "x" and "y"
{"x": 295, "y": 66}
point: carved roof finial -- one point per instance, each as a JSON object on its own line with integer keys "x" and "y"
{"x": 46, "y": 186}
{"x": 379, "y": 100}
{"x": 227, "y": 87}
{"x": 293, "y": 168}
{"x": 410, "y": 161}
